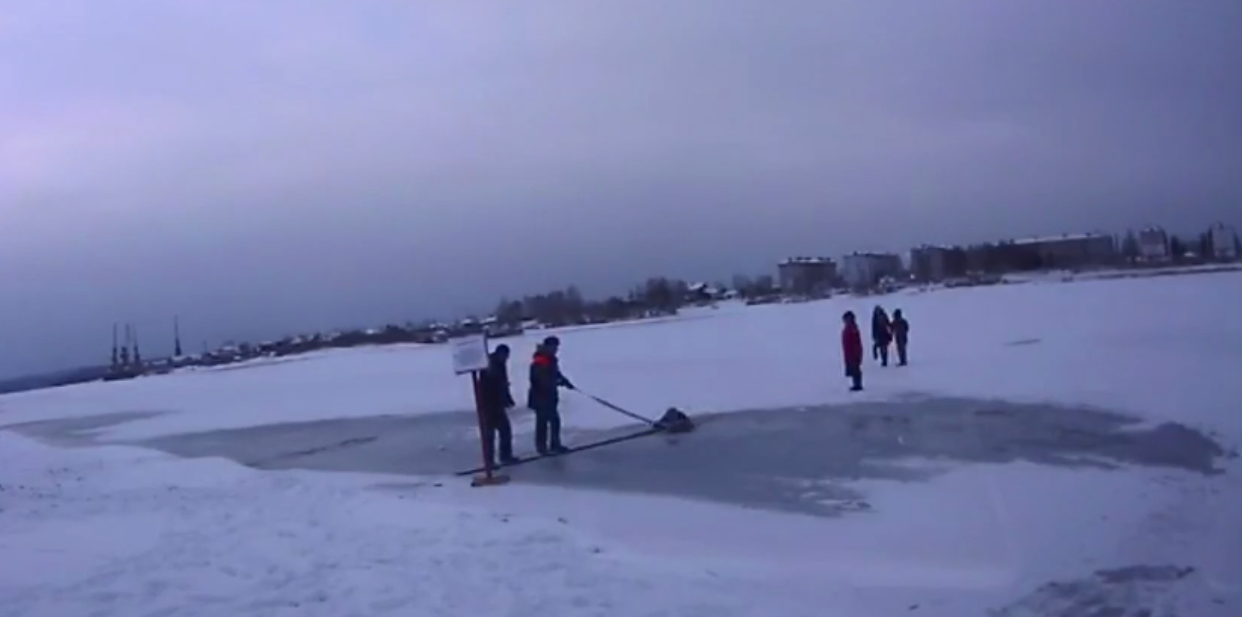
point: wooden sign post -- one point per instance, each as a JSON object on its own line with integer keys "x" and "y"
{"x": 470, "y": 355}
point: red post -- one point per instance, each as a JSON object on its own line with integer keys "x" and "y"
{"x": 484, "y": 442}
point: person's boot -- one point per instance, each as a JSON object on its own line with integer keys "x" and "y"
{"x": 559, "y": 449}
{"x": 508, "y": 459}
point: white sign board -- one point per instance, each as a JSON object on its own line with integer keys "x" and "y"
{"x": 469, "y": 354}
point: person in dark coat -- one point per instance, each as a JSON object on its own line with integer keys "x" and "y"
{"x": 852, "y": 349}
{"x": 881, "y": 335}
{"x": 495, "y": 400}
{"x": 544, "y": 396}
{"x": 901, "y": 334}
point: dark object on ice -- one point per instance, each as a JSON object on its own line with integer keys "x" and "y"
{"x": 619, "y": 409}
{"x": 674, "y": 421}
{"x": 489, "y": 480}
{"x": 567, "y": 451}
{"x": 1025, "y": 341}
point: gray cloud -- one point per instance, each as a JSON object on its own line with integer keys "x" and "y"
{"x": 267, "y": 167}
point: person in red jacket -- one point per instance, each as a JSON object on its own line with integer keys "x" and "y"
{"x": 852, "y": 348}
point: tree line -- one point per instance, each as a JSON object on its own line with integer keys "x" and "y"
{"x": 657, "y": 296}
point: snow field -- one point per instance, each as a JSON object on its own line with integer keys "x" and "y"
{"x": 1164, "y": 348}
{"x": 115, "y": 531}
{"x": 123, "y": 531}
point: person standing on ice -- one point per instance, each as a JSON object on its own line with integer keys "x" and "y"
{"x": 494, "y": 400}
{"x": 852, "y": 349}
{"x": 544, "y": 397}
{"x": 901, "y": 334}
{"x": 881, "y": 335}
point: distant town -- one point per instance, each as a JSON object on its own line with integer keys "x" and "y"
{"x": 957, "y": 265}
{"x": 798, "y": 279}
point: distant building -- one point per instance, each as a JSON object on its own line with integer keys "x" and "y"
{"x": 1223, "y": 240}
{"x": 1073, "y": 250}
{"x": 979, "y": 258}
{"x": 1153, "y": 244}
{"x": 807, "y": 275}
{"x": 865, "y": 270}
{"x": 702, "y": 292}
{"x": 929, "y": 263}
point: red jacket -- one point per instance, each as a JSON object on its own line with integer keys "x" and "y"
{"x": 851, "y": 345}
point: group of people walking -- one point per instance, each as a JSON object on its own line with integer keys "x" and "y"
{"x": 884, "y": 332}
{"x": 543, "y": 397}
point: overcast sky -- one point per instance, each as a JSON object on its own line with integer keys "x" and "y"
{"x": 265, "y": 167}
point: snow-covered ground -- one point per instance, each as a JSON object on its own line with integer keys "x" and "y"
{"x": 121, "y": 530}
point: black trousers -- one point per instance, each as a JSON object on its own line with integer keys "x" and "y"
{"x": 498, "y": 428}
{"x": 901, "y": 352}
{"x": 547, "y": 427}
{"x": 855, "y": 375}
{"x": 880, "y": 350}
